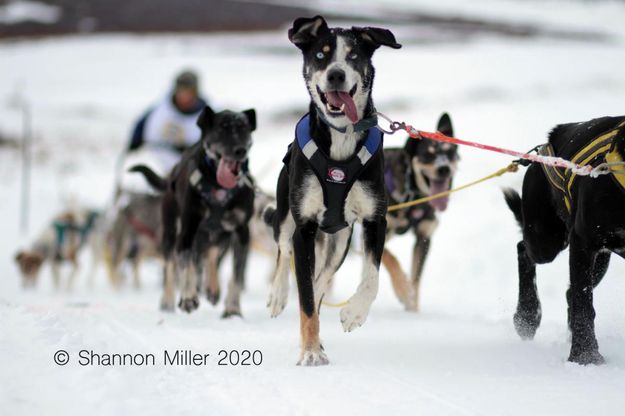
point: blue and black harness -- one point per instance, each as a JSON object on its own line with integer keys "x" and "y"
{"x": 335, "y": 177}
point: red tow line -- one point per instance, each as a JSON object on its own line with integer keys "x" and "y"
{"x": 440, "y": 137}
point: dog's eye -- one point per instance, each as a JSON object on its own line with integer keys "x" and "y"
{"x": 320, "y": 55}
{"x": 353, "y": 56}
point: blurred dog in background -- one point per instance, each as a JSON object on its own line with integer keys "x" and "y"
{"x": 420, "y": 169}
{"x": 59, "y": 243}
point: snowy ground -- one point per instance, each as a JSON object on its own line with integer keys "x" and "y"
{"x": 458, "y": 356}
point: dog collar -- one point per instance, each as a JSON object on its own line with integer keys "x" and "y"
{"x": 361, "y": 125}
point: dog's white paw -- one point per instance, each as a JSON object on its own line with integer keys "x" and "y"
{"x": 278, "y": 298}
{"x": 310, "y": 358}
{"x": 354, "y": 315}
{"x": 167, "y": 304}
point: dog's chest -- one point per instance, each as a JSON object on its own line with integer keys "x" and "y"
{"x": 359, "y": 203}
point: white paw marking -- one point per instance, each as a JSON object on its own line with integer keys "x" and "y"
{"x": 278, "y": 297}
{"x": 311, "y": 358}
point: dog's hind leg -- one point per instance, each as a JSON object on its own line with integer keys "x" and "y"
{"x": 136, "y": 275}
{"x": 399, "y": 280}
{"x": 329, "y": 259}
{"x": 170, "y": 218}
{"x": 584, "y": 347}
{"x": 240, "y": 252}
{"x": 528, "y": 313}
{"x": 279, "y": 292}
{"x": 355, "y": 313}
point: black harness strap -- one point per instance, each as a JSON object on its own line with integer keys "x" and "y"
{"x": 336, "y": 177}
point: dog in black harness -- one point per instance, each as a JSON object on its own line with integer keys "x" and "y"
{"x": 208, "y": 201}
{"x": 333, "y": 176}
{"x": 561, "y": 209}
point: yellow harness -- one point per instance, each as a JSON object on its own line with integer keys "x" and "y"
{"x": 603, "y": 146}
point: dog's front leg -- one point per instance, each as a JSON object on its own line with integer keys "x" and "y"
{"x": 56, "y": 273}
{"x": 355, "y": 313}
{"x": 423, "y": 235}
{"x": 332, "y": 253}
{"x": 189, "y": 300}
{"x": 304, "y": 250}
{"x": 72, "y": 274}
{"x": 240, "y": 251}
{"x": 584, "y": 346}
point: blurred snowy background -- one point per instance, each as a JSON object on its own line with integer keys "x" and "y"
{"x": 507, "y": 71}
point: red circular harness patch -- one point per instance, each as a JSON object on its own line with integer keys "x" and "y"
{"x": 336, "y": 174}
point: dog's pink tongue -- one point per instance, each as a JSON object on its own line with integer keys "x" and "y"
{"x": 436, "y": 187}
{"x": 338, "y": 98}
{"x": 226, "y": 175}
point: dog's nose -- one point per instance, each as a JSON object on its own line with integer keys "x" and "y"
{"x": 336, "y": 78}
{"x": 240, "y": 152}
{"x": 443, "y": 171}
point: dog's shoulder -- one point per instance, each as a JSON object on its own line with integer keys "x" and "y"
{"x": 568, "y": 138}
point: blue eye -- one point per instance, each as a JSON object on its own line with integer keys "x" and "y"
{"x": 320, "y": 55}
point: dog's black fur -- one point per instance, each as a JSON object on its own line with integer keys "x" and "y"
{"x": 593, "y": 230}
{"x": 420, "y": 169}
{"x": 335, "y": 60}
{"x": 202, "y": 219}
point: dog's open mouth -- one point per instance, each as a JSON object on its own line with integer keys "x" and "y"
{"x": 437, "y": 186}
{"x": 228, "y": 172}
{"x": 340, "y": 103}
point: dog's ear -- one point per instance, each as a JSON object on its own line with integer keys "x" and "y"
{"x": 251, "y": 118}
{"x": 411, "y": 146}
{"x": 305, "y": 30}
{"x": 375, "y": 37}
{"x": 206, "y": 118}
{"x": 445, "y": 126}
{"x": 19, "y": 256}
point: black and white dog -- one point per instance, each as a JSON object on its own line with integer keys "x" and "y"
{"x": 559, "y": 208}
{"x": 421, "y": 168}
{"x": 208, "y": 201}
{"x": 333, "y": 176}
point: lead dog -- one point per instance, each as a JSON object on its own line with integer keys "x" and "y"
{"x": 333, "y": 176}
{"x": 421, "y": 168}
{"x": 559, "y": 208}
{"x": 208, "y": 200}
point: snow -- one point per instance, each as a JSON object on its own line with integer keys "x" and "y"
{"x": 458, "y": 356}
{"x": 29, "y": 11}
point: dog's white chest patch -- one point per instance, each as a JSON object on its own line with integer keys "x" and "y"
{"x": 311, "y": 205}
{"x": 359, "y": 204}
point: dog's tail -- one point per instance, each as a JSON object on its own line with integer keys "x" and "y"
{"x": 513, "y": 199}
{"x": 153, "y": 179}
{"x": 268, "y": 215}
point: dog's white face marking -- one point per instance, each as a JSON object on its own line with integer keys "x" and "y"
{"x": 317, "y": 81}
